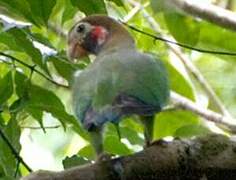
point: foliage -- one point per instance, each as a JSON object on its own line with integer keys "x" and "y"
{"x": 32, "y": 55}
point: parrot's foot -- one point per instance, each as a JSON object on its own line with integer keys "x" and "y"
{"x": 159, "y": 142}
{"x": 147, "y": 144}
{"x": 103, "y": 157}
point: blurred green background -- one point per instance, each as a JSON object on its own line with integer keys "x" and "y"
{"x": 36, "y": 115}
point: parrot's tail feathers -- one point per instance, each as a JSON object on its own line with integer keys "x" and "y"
{"x": 88, "y": 121}
{"x": 122, "y": 106}
{"x": 129, "y": 105}
{"x": 94, "y": 119}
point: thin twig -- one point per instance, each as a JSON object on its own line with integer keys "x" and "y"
{"x": 184, "y": 103}
{"x": 32, "y": 68}
{"x": 14, "y": 152}
{"x": 155, "y": 37}
{"x": 39, "y": 128}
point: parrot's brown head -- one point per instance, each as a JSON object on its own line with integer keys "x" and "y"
{"x": 95, "y": 34}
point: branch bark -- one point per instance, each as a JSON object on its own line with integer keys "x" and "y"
{"x": 209, "y": 12}
{"x": 210, "y": 157}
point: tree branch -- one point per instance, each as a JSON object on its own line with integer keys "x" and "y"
{"x": 207, "y": 11}
{"x": 181, "y": 102}
{"x": 212, "y": 157}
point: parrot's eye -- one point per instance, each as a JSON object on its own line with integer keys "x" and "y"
{"x": 80, "y": 28}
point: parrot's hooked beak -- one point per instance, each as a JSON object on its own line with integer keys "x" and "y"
{"x": 75, "y": 51}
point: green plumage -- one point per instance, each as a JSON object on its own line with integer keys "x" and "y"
{"x": 114, "y": 73}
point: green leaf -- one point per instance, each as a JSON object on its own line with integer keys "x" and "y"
{"x": 12, "y": 132}
{"x": 7, "y": 178}
{"x": 42, "y": 39}
{"x": 1, "y": 172}
{"x": 191, "y": 130}
{"x": 38, "y": 99}
{"x": 90, "y": 6}
{"x": 132, "y": 123}
{"x": 22, "y": 85}
{"x": 73, "y": 161}
{"x": 20, "y": 8}
{"x": 18, "y": 105}
{"x": 117, "y": 2}
{"x": 87, "y": 152}
{"x": 5, "y": 117}
{"x": 178, "y": 83}
{"x": 69, "y": 11}
{"x": 41, "y": 10}
{"x": 37, "y": 114}
{"x": 114, "y": 146}
{"x": 15, "y": 37}
{"x": 217, "y": 38}
{"x": 6, "y": 87}
{"x": 160, "y": 5}
{"x": 1, "y": 118}
{"x": 27, "y": 46}
{"x": 45, "y": 100}
{"x": 9, "y": 41}
{"x": 221, "y": 76}
{"x": 131, "y": 135}
{"x": 166, "y": 123}
{"x": 64, "y": 68}
{"x": 184, "y": 29}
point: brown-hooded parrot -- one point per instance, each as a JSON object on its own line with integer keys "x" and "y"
{"x": 120, "y": 82}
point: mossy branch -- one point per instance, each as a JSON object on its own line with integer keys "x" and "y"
{"x": 210, "y": 157}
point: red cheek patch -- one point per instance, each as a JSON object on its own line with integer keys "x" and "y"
{"x": 99, "y": 34}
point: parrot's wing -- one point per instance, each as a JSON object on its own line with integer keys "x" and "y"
{"x": 122, "y": 106}
{"x": 129, "y": 105}
{"x": 112, "y": 87}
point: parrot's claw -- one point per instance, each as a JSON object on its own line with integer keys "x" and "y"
{"x": 147, "y": 144}
{"x": 159, "y": 142}
{"x": 103, "y": 157}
